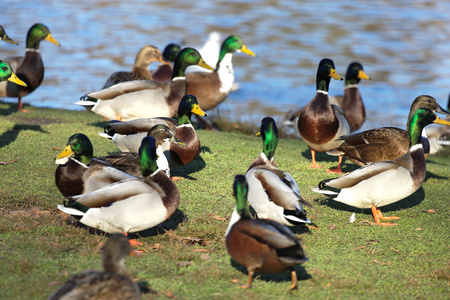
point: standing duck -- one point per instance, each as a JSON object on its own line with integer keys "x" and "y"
{"x": 211, "y": 88}
{"x": 385, "y": 143}
{"x": 261, "y": 245}
{"x": 5, "y": 37}
{"x": 351, "y": 102}
{"x": 30, "y": 68}
{"x": 128, "y": 135}
{"x": 130, "y": 205}
{"x": 114, "y": 282}
{"x": 164, "y": 71}
{"x": 144, "y": 58}
{"x": 385, "y": 182}
{"x": 273, "y": 193}
{"x": 320, "y": 123}
{"x": 143, "y": 98}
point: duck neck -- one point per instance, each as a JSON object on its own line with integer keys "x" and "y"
{"x": 184, "y": 119}
{"x": 178, "y": 70}
{"x": 322, "y": 84}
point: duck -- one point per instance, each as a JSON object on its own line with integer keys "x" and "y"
{"x": 211, "y": 88}
{"x": 130, "y": 205}
{"x": 29, "y": 68}
{"x": 261, "y": 245}
{"x": 80, "y": 172}
{"x": 128, "y": 135}
{"x": 320, "y": 123}
{"x": 438, "y": 136}
{"x": 385, "y": 143}
{"x": 146, "y": 55}
{"x": 5, "y": 37}
{"x": 351, "y": 102}
{"x": 273, "y": 193}
{"x": 143, "y": 98}
{"x": 7, "y": 74}
{"x": 164, "y": 71}
{"x": 385, "y": 182}
{"x": 113, "y": 282}
{"x": 128, "y": 162}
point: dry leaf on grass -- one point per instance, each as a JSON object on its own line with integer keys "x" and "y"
{"x": 429, "y": 211}
{"x": 383, "y": 263}
{"x": 170, "y": 295}
{"x": 193, "y": 241}
{"x": 219, "y": 218}
{"x": 203, "y": 250}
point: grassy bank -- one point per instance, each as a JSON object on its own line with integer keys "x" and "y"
{"x": 186, "y": 256}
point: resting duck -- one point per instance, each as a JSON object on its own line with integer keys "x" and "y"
{"x": 438, "y": 136}
{"x": 273, "y": 193}
{"x": 146, "y": 56}
{"x": 351, "y": 102}
{"x": 386, "y": 143}
{"x": 7, "y": 74}
{"x": 130, "y": 205}
{"x": 114, "y": 282}
{"x": 78, "y": 172}
{"x": 385, "y": 182}
{"x": 164, "y": 71}
{"x": 30, "y": 68}
{"x": 5, "y": 37}
{"x": 143, "y": 98}
{"x": 128, "y": 135}
{"x": 261, "y": 245}
{"x": 129, "y": 162}
{"x": 320, "y": 123}
{"x": 211, "y": 88}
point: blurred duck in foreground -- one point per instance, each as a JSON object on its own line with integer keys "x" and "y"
{"x": 146, "y": 56}
{"x": 128, "y": 135}
{"x": 382, "y": 183}
{"x": 130, "y": 205}
{"x": 30, "y": 68}
{"x": 385, "y": 143}
{"x": 114, "y": 282}
{"x": 5, "y": 37}
{"x": 261, "y": 245}
{"x": 320, "y": 123}
{"x": 273, "y": 193}
{"x": 143, "y": 98}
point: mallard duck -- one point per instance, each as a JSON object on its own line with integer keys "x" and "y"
{"x": 6, "y": 74}
{"x": 128, "y": 135}
{"x": 261, "y": 245}
{"x": 386, "y": 143}
{"x": 351, "y": 102}
{"x": 320, "y": 124}
{"x": 130, "y": 205}
{"x": 164, "y": 71}
{"x": 385, "y": 182}
{"x": 78, "y": 172}
{"x": 147, "y": 55}
{"x": 129, "y": 162}
{"x": 114, "y": 282}
{"x": 30, "y": 68}
{"x": 144, "y": 98}
{"x": 5, "y": 37}
{"x": 211, "y": 88}
{"x": 274, "y": 194}
{"x": 438, "y": 136}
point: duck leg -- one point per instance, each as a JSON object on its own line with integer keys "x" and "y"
{"x": 314, "y": 163}
{"x": 377, "y": 215}
{"x": 249, "y": 281}
{"x": 20, "y": 106}
{"x": 338, "y": 169}
{"x": 294, "y": 280}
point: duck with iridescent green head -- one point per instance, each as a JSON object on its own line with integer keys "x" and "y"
{"x": 5, "y": 37}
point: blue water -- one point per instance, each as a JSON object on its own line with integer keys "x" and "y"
{"x": 403, "y": 46}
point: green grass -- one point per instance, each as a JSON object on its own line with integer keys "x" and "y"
{"x": 41, "y": 247}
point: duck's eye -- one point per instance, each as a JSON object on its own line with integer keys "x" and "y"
{"x": 4, "y": 68}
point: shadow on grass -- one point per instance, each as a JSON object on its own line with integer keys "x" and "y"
{"x": 432, "y": 175}
{"x": 194, "y": 166}
{"x": 347, "y": 165}
{"x": 10, "y": 109}
{"x": 10, "y": 136}
{"x": 408, "y": 202}
{"x": 302, "y": 274}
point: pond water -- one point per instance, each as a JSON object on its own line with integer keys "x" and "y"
{"x": 403, "y": 46}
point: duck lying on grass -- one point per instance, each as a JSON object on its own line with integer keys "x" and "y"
{"x": 386, "y": 182}
{"x": 261, "y": 245}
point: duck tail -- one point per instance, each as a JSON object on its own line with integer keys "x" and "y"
{"x": 324, "y": 189}
{"x": 70, "y": 210}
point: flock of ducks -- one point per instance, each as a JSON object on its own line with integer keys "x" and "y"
{"x": 150, "y": 123}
